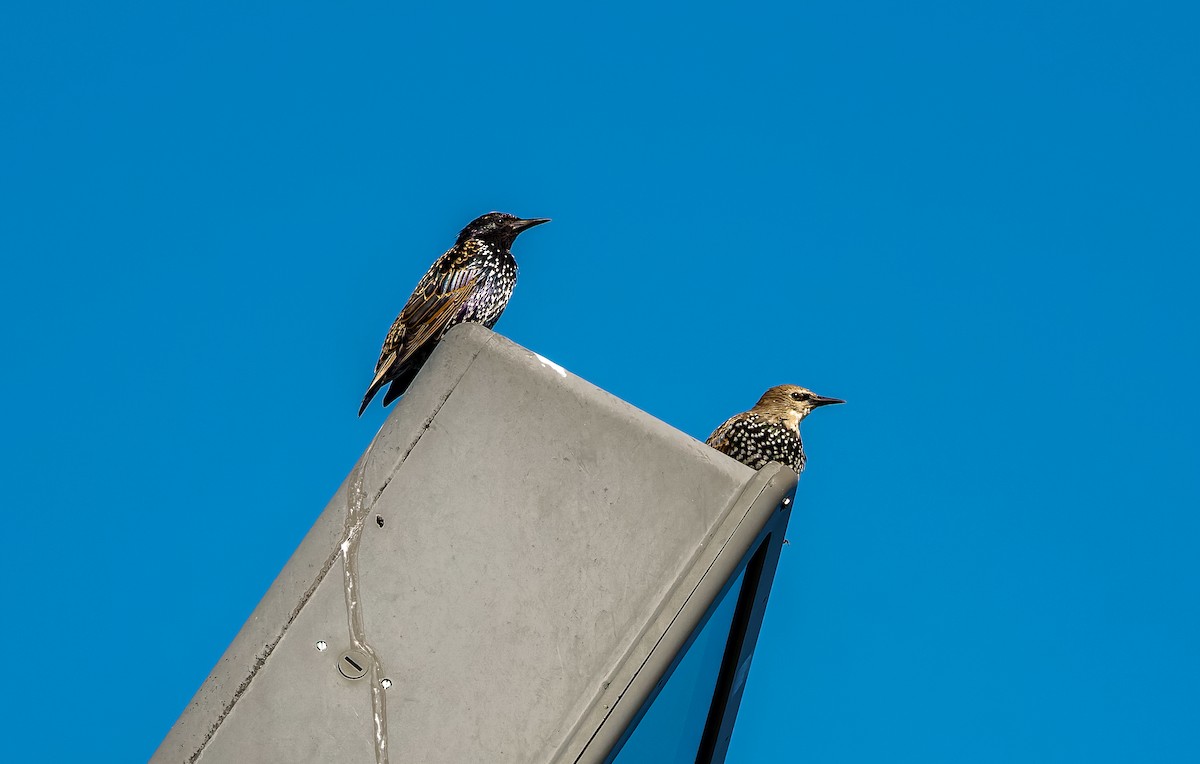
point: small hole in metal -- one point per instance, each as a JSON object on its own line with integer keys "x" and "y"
{"x": 386, "y": 683}
{"x": 321, "y": 645}
{"x": 379, "y": 520}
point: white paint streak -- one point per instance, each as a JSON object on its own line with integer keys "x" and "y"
{"x": 352, "y": 534}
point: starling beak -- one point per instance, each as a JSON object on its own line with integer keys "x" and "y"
{"x": 821, "y": 400}
{"x": 519, "y": 225}
{"x": 473, "y": 281}
{"x": 770, "y": 432}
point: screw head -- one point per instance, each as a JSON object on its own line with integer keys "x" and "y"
{"x": 353, "y": 664}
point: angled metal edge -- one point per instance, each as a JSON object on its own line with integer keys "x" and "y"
{"x": 631, "y": 683}
{"x": 317, "y": 553}
{"x": 761, "y": 563}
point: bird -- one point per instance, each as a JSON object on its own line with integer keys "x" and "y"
{"x": 472, "y": 281}
{"x": 770, "y": 432}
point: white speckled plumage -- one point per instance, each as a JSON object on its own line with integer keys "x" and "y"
{"x": 473, "y": 281}
{"x": 770, "y": 432}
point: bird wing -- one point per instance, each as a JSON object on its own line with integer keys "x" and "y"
{"x": 430, "y": 310}
{"x": 433, "y": 305}
{"x": 720, "y": 437}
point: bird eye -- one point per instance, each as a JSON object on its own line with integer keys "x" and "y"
{"x": 797, "y": 397}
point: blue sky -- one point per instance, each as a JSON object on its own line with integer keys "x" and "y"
{"x": 977, "y": 224}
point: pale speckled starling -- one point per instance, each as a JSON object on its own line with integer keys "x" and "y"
{"x": 770, "y": 432}
{"x": 471, "y": 282}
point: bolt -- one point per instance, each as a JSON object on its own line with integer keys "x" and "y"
{"x": 353, "y": 664}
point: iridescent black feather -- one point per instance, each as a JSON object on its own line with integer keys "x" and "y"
{"x": 473, "y": 281}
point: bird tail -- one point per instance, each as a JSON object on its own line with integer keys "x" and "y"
{"x": 398, "y": 388}
{"x": 376, "y": 385}
{"x": 400, "y": 378}
{"x": 383, "y": 375}
{"x": 367, "y": 398}
{"x": 400, "y": 384}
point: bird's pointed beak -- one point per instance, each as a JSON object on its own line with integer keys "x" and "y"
{"x": 521, "y": 225}
{"x": 821, "y": 400}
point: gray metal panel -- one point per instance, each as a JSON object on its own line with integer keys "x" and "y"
{"x": 539, "y": 536}
{"x": 679, "y": 615}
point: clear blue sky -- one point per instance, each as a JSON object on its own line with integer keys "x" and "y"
{"x": 977, "y": 224}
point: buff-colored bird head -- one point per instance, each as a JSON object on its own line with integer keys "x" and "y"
{"x": 792, "y": 402}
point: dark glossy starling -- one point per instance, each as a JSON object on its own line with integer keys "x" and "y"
{"x": 471, "y": 282}
{"x": 770, "y": 432}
